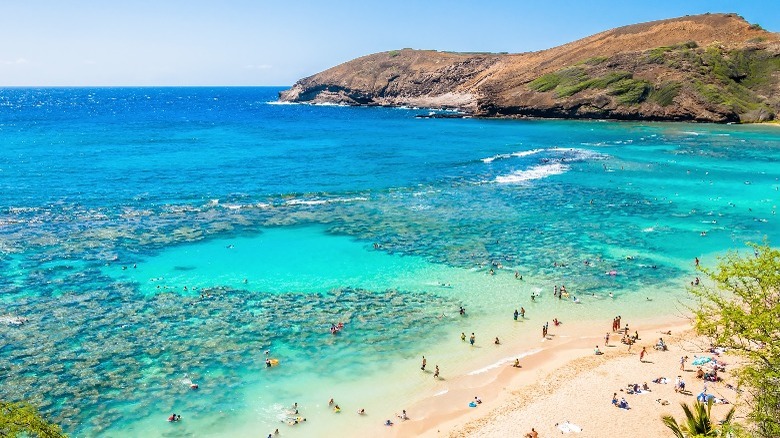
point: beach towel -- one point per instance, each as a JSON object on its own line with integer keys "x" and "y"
{"x": 701, "y": 361}
{"x": 567, "y": 427}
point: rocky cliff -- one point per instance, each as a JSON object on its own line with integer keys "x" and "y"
{"x": 713, "y": 68}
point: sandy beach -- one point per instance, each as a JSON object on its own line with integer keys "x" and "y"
{"x": 569, "y": 383}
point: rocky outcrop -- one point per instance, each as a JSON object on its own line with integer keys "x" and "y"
{"x": 714, "y": 68}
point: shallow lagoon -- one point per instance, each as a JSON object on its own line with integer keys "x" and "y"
{"x": 205, "y": 188}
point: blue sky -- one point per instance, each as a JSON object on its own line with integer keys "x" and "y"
{"x": 244, "y": 42}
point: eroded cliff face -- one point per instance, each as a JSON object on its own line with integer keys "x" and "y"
{"x": 715, "y": 68}
{"x": 402, "y": 77}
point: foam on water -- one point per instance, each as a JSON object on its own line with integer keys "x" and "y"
{"x": 519, "y": 154}
{"x": 535, "y": 172}
{"x": 503, "y": 362}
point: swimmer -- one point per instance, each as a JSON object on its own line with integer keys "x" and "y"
{"x": 194, "y": 386}
{"x": 330, "y": 402}
{"x": 174, "y": 417}
{"x": 611, "y": 295}
{"x": 268, "y": 363}
{"x": 336, "y": 409}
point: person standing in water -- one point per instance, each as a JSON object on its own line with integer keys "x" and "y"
{"x": 436, "y": 373}
{"x": 515, "y": 315}
{"x": 522, "y": 312}
{"x": 472, "y": 339}
{"x": 424, "y": 362}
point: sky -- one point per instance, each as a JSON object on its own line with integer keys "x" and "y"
{"x": 258, "y": 42}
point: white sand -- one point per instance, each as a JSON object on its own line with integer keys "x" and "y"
{"x": 571, "y": 384}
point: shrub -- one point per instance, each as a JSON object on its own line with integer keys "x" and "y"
{"x": 630, "y": 91}
{"x": 739, "y": 311}
{"x": 545, "y": 82}
{"x": 664, "y": 95}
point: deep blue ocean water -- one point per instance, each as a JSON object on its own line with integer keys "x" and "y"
{"x": 282, "y": 219}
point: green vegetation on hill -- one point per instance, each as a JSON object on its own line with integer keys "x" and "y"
{"x": 570, "y": 81}
{"x": 737, "y": 80}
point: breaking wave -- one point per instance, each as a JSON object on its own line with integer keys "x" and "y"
{"x": 535, "y": 172}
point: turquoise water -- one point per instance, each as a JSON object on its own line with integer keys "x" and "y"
{"x": 280, "y": 220}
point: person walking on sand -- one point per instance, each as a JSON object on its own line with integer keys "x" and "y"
{"x": 682, "y": 362}
{"x": 606, "y": 340}
{"x": 642, "y": 354}
{"x": 424, "y": 362}
{"x": 472, "y": 338}
{"x": 436, "y": 373}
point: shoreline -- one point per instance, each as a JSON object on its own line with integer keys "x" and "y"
{"x": 460, "y": 112}
{"x": 505, "y": 389}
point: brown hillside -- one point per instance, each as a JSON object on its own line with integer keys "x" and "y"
{"x": 714, "y": 67}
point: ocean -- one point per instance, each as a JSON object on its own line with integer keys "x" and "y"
{"x": 151, "y": 238}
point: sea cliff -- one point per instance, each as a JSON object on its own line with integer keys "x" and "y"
{"x": 706, "y": 68}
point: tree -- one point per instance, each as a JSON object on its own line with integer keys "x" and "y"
{"x": 23, "y": 420}
{"x": 740, "y": 310}
{"x": 698, "y": 422}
